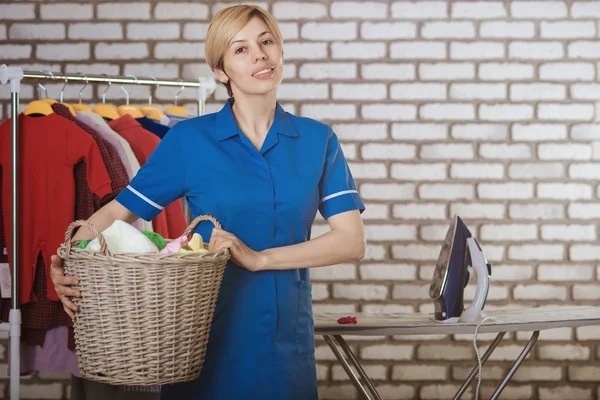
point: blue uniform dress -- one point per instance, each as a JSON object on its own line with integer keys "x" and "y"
{"x": 261, "y": 344}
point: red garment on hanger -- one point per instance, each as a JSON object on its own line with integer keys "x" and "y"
{"x": 49, "y": 148}
{"x": 170, "y": 223}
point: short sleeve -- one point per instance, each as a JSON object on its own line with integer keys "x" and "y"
{"x": 158, "y": 182}
{"x": 337, "y": 190}
{"x": 81, "y": 146}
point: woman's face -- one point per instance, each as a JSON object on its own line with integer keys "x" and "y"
{"x": 253, "y": 61}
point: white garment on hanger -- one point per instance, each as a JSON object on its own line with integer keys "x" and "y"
{"x": 123, "y": 148}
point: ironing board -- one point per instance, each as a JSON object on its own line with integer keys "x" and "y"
{"x": 530, "y": 319}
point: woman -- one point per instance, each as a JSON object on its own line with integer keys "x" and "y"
{"x": 263, "y": 173}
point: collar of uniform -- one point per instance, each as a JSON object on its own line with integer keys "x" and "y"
{"x": 228, "y": 127}
{"x": 125, "y": 121}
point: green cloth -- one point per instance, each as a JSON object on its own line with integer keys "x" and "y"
{"x": 158, "y": 240}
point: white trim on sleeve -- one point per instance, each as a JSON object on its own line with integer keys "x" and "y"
{"x": 343, "y": 192}
{"x": 147, "y": 200}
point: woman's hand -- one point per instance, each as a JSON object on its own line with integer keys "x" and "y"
{"x": 61, "y": 281}
{"x": 241, "y": 254}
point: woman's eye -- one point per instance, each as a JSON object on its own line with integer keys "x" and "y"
{"x": 265, "y": 42}
{"x": 239, "y": 50}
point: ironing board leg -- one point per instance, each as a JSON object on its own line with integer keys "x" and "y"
{"x": 526, "y": 350}
{"x": 357, "y": 365}
{"x": 363, "y": 392}
{"x": 484, "y": 358}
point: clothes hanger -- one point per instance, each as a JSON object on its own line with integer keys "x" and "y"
{"x": 177, "y": 110}
{"x": 80, "y": 106}
{"x": 48, "y": 100}
{"x": 127, "y": 108}
{"x": 106, "y": 111}
{"x": 38, "y": 107}
{"x": 62, "y": 96}
{"x": 152, "y": 111}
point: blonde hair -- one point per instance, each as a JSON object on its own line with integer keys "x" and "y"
{"x": 225, "y": 25}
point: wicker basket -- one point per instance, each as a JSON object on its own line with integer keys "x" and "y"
{"x": 143, "y": 319}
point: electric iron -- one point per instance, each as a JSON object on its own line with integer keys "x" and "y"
{"x": 459, "y": 251}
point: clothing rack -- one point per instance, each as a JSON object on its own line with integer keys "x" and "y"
{"x": 205, "y": 85}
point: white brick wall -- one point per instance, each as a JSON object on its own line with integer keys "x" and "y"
{"x": 488, "y": 109}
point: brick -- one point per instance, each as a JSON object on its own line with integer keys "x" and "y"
{"x": 585, "y": 333}
{"x": 585, "y": 9}
{"x": 418, "y": 172}
{"x": 357, "y": 50}
{"x": 375, "y": 252}
{"x": 586, "y": 292}
{"x": 368, "y": 170}
{"x": 538, "y": 9}
{"x": 320, "y": 71}
{"x": 93, "y": 69}
{"x": 512, "y": 272}
{"x": 506, "y": 112}
{"x": 386, "y": 308}
{"x": 153, "y": 69}
{"x": 319, "y": 291}
{"x": 546, "y": 252}
{"x": 477, "y": 171}
{"x": 584, "y": 171}
{"x": 123, "y": 51}
{"x": 419, "y": 373}
{"x": 449, "y": 191}
{"x": 417, "y": 252}
{"x": 329, "y": 30}
{"x": 289, "y": 30}
{"x": 584, "y": 252}
{"x": 443, "y": 30}
{"x": 396, "y": 72}
{"x": 564, "y": 191}
{"x": 123, "y": 11}
{"x": 507, "y": 29}
{"x": 388, "y": 151}
{"x": 567, "y": 71}
{"x": 289, "y": 71}
{"x": 359, "y": 91}
{"x": 478, "y": 91}
{"x": 538, "y": 373}
{"x": 387, "y": 191}
{"x": 74, "y": 51}
{"x": 583, "y": 210}
{"x": 505, "y": 151}
{"x": 537, "y": 91}
{"x": 388, "y": 30}
{"x": 505, "y": 191}
{"x": 508, "y": 232}
{"x": 447, "y": 151}
{"x": 539, "y": 132}
{"x": 505, "y": 71}
{"x": 428, "y": 50}
{"x": 447, "y": 111}
{"x": 359, "y": 9}
{"x": 180, "y": 11}
{"x": 15, "y": 51}
{"x": 536, "y": 50}
{"x": 419, "y": 10}
{"x": 305, "y": 51}
{"x": 303, "y": 91}
{"x": 334, "y": 273}
{"x": 440, "y": 392}
{"x": 374, "y": 372}
{"x": 433, "y": 233}
{"x": 419, "y": 131}
{"x": 564, "y": 151}
{"x": 418, "y": 91}
{"x": 386, "y": 352}
{"x": 445, "y": 352}
{"x": 446, "y": 71}
{"x": 571, "y": 112}
{"x": 3, "y": 33}
{"x": 386, "y": 272}
{"x": 585, "y": 91}
{"x": 585, "y": 132}
{"x": 362, "y": 132}
{"x": 142, "y": 31}
{"x": 333, "y": 308}
{"x": 389, "y": 112}
{"x": 536, "y": 170}
{"x": 538, "y": 291}
{"x": 97, "y": 31}
{"x": 360, "y": 292}
{"x": 564, "y": 392}
{"x": 329, "y": 111}
{"x": 299, "y": 10}
{"x": 559, "y": 334}
{"x": 411, "y": 292}
{"x": 490, "y": 372}
{"x": 584, "y": 49}
{"x": 18, "y": 11}
{"x": 337, "y": 392}
{"x": 476, "y": 50}
{"x": 376, "y": 211}
{"x": 562, "y": 273}
{"x": 567, "y": 29}
{"x": 480, "y": 131}
{"x": 322, "y": 372}
{"x": 478, "y": 210}
{"x": 36, "y": 31}
{"x": 420, "y": 211}
{"x": 478, "y": 9}
{"x": 583, "y": 373}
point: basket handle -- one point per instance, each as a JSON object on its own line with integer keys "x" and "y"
{"x": 91, "y": 227}
{"x": 197, "y": 220}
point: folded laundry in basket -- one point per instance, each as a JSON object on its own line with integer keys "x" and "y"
{"x": 122, "y": 237}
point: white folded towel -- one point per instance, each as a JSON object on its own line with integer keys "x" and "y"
{"x": 121, "y": 237}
